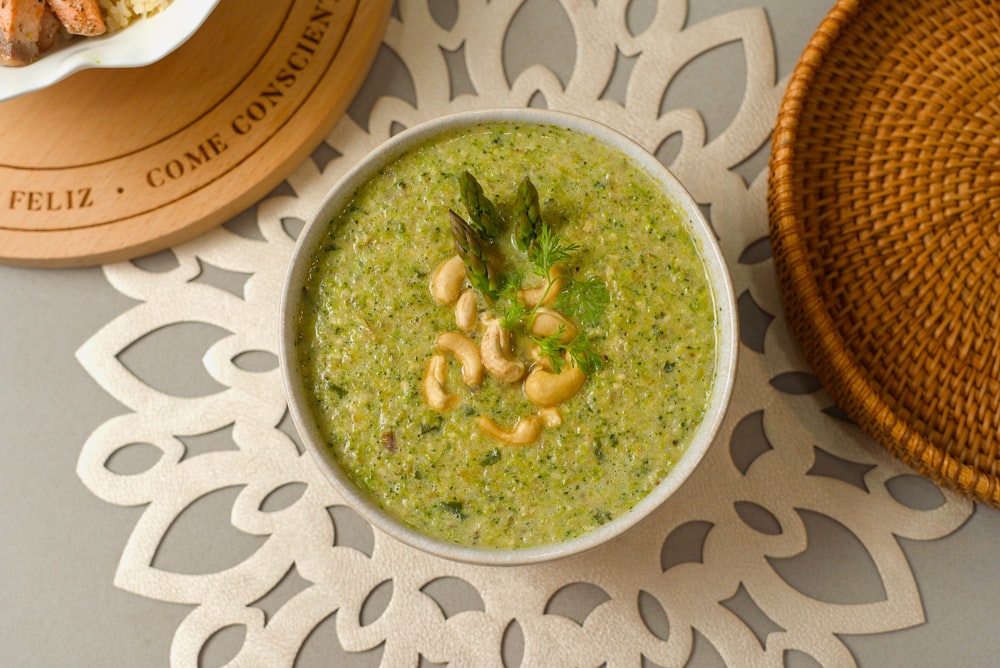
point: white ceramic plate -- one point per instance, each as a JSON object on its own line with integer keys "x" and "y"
{"x": 142, "y": 43}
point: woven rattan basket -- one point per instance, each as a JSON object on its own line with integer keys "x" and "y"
{"x": 884, "y": 203}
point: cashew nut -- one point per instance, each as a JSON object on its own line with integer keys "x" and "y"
{"x": 551, "y": 417}
{"x": 466, "y": 310}
{"x": 466, "y": 352}
{"x": 525, "y": 432}
{"x": 494, "y": 348}
{"x": 433, "y": 384}
{"x": 548, "y": 322}
{"x": 535, "y": 353}
{"x": 531, "y": 296}
{"x": 547, "y": 388}
{"x": 446, "y": 281}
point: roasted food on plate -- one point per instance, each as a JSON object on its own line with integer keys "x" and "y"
{"x": 31, "y": 28}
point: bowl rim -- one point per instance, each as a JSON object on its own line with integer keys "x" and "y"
{"x": 141, "y": 43}
{"x": 719, "y": 279}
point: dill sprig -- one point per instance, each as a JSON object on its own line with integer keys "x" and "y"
{"x": 584, "y": 301}
{"x": 548, "y": 250}
{"x": 580, "y": 351}
{"x": 513, "y": 312}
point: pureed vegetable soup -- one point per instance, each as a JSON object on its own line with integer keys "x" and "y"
{"x": 463, "y": 407}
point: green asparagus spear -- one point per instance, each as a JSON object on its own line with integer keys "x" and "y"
{"x": 482, "y": 213}
{"x": 478, "y": 266}
{"x": 527, "y": 217}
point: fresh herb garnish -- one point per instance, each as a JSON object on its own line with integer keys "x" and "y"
{"x": 582, "y": 353}
{"x": 583, "y": 301}
{"x": 579, "y": 349}
{"x": 514, "y": 312}
{"x": 549, "y": 250}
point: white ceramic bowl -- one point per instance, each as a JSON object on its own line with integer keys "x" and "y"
{"x": 314, "y": 233}
{"x": 142, "y": 43}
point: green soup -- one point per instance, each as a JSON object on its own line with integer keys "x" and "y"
{"x": 369, "y": 325}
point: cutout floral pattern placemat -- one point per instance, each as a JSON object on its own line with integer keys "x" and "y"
{"x": 721, "y": 570}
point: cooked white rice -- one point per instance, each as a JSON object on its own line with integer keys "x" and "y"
{"x": 119, "y": 13}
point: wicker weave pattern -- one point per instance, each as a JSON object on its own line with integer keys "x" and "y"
{"x": 884, "y": 201}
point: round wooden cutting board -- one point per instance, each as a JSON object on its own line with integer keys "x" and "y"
{"x": 112, "y": 164}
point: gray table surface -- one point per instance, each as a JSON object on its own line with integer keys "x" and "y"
{"x": 60, "y": 545}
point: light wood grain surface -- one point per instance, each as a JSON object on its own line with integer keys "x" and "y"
{"x": 112, "y": 164}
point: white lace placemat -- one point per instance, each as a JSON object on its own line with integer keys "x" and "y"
{"x": 722, "y": 569}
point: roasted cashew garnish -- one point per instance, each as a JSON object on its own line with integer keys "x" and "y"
{"x": 549, "y": 322}
{"x": 466, "y": 352}
{"x": 547, "y": 388}
{"x": 549, "y": 290}
{"x": 495, "y": 347}
{"x": 447, "y": 279}
{"x": 525, "y": 432}
{"x": 540, "y": 360}
{"x": 466, "y": 310}
{"x": 551, "y": 417}
{"x": 433, "y": 384}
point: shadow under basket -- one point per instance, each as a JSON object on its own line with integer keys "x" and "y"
{"x": 884, "y": 206}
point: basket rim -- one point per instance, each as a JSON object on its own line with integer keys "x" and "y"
{"x": 847, "y": 380}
